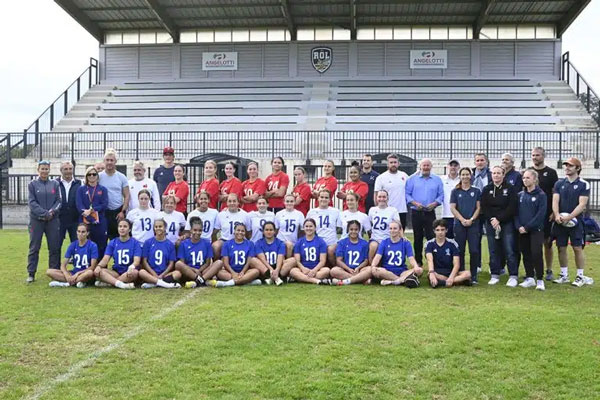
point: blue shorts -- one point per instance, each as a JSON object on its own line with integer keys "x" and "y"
{"x": 396, "y": 270}
{"x": 236, "y": 269}
{"x": 119, "y": 271}
{"x": 574, "y": 234}
{"x": 75, "y": 271}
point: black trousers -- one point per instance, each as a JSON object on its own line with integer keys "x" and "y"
{"x": 113, "y": 224}
{"x": 450, "y": 226}
{"x": 531, "y": 246}
{"x": 422, "y": 223}
{"x": 403, "y": 219}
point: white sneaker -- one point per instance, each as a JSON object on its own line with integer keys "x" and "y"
{"x": 335, "y": 282}
{"x": 268, "y": 281}
{"x": 562, "y": 279}
{"x": 540, "y": 286}
{"x": 58, "y": 284}
{"x": 478, "y": 270}
{"x": 127, "y": 286}
{"x": 148, "y": 285}
{"x": 587, "y": 280}
{"x": 101, "y": 284}
{"x": 278, "y": 281}
{"x": 255, "y": 282}
{"x": 177, "y": 285}
{"x": 386, "y": 282}
{"x": 512, "y": 282}
{"x": 493, "y": 281}
{"x": 81, "y": 285}
{"x": 579, "y": 281}
{"x": 527, "y": 283}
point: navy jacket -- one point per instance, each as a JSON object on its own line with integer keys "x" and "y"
{"x": 68, "y": 209}
{"x": 514, "y": 178}
{"x": 99, "y": 201}
{"x": 532, "y": 210}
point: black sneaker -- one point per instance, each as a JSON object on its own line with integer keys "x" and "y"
{"x": 549, "y": 275}
{"x": 412, "y": 281}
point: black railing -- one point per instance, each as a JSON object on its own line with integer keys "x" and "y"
{"x": 340, "y": 145}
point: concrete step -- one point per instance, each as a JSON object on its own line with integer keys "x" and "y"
{"x": 557, "y": 90}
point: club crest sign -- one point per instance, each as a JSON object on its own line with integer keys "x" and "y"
{"x": 322, "y": 58}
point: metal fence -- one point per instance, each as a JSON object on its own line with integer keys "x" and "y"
{"x": 306, "y": 145}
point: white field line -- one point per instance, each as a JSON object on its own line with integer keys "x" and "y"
{"x": 76, "y": 368}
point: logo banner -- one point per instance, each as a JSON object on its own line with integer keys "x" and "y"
{"x": 321, "y": 57}
{"x": 429, "y": 59}
{"x": 223, "y": 61}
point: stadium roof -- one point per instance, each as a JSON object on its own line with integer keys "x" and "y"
{"x": 99, "y": 16}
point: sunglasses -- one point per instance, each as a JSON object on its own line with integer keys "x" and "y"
{"x": 92, "y": 174}
{"x": 43, "y": 162}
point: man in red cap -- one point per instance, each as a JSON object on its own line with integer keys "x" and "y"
{"x": 163, "y": 175}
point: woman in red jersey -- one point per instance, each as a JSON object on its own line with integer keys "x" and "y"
{"x": 231, "y": 185}
{"x": 327, "y": 181}
{"x": 277, "y": 184}
{"x": 355, "y": 185}
{"x": 253, "y": 188}
{"x": 302, "y": 193}
{"x": 210, "y": 184}
{"x": 178, "y": 188}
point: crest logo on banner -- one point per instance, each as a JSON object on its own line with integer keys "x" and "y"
{"x": 322, "y": 58}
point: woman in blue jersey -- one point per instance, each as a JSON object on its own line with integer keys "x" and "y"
{"x": 270, "y": 254}
{"x": 126, "y": 253}
{"x": 310, "y": 257}
{"x": 443, "y": 259}
{"x": 158, "y": 260}
{"x": 236, "y": 264}
{"x": 352, "y": 256}
{"x": 195, "y": 257}
{"x": 389, "y": 264}
{"x": 83, "y": 253}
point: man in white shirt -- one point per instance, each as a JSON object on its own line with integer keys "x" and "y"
{"x": 393, "y": 181}
{"x": 139, "y": 182}
{"x": 450, "y": 181}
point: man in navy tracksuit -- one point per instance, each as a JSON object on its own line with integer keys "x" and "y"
{"x": 529, "y": 222}
{"x": 44, "y": 204}
{"x": 69, "y": 215}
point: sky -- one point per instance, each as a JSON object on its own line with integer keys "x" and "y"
{"x": 43, "y": 50}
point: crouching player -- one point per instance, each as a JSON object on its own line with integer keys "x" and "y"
{"x": 443, "y": 259}
{"x": 352, "y": 257}
{"x": 126, "y": 253}
{"x": 238, "y": 266}
{"x": 84, "y": 255}
{"x": 158, "y": 260}
{"x": 391, "y": 255}
{"x": 195, "y": 256}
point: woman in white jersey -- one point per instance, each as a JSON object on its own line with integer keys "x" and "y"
{"x": 289, "y": 223}
{"x": 259, "y": 217}
{"x": 174, "y": 220}
{"x": 226, "y": 221}
{"x": 380, "y": 217}
{"x": 328, "y": 221}
{"x": 142, "y": 218}
{"x": 206, "y": 214}
{"x": 352, "y": 214}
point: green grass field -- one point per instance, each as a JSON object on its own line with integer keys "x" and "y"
{"x": 296, "y": 341}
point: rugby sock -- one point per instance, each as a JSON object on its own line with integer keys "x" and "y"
{"x": 230, "y": 282}
{"x": 169, "y": 279}
{"x": 564, "y": 271}
{"x": 164, "y": 284}
{"x": 120, "y": 285}
{"x": 346, "y": 281}
{"x": 580, "y": 272}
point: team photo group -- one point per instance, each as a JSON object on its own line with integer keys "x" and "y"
{"x": 111, "y": 231}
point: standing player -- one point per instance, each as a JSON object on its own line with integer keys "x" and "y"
{"x": 126, "y": 253}
{"x": 288, "y": 223}
{"x": 547, "y": 177}
{"x": 450, "y": 181}
{"x": 252, "y": 188}
{"x": 529, "y": 221}
{"x": 226, "y": 221}
{"x": 158, "y": 260}
{"x": 328, "y": 220}
{"x": 238, "y": 264}
{"x": 206, "y": 214}
{"x": 393, "y": 181}
{"x": 231, "y": 185}
{"x": 352, "y": 214}
{"x": 179, "y": 189}
{"x": 465, "y": 203}
{"x": 302, "y": 192}
{"x": 270, "y": 254}
{"x": 174, "y": 220}
{"x": 210, "y": 184}
{"x": 310, "y": 258}
{"x": 381, "y": 217}
{"x": 571, "y": 195}
{"x": 92, "y": 200}
{"x": 258, "y": 219}
{"x": 392, "y": 254}
{"x": 277, "y": 184}
{"x": 355, "y": 185}
{"x": 142, "y": 218}
{"x": 195, "y": 258}
{"x": 368, "y": 176}
{"x": 352, "y": 258}
{"x": 443, "y": 259}
{"x": 140, "y": 182}
{"x": 83, "y": 253}
{"x": 424, "y": 192}
{"x": 327, "y": 181}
